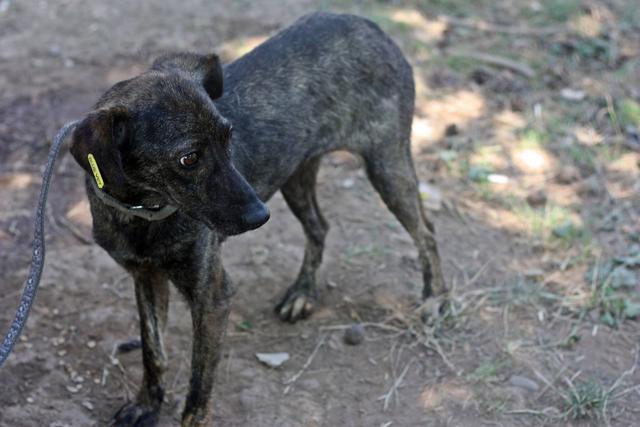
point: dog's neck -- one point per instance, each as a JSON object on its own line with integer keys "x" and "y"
{"x": 149, "y": 213}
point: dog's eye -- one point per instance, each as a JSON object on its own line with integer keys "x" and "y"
{"x": 189, "y": 160}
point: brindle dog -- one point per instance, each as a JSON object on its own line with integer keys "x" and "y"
{"x": 175, "y": 183}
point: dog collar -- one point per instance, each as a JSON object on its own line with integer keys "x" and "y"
{"x": 153, "y": 213}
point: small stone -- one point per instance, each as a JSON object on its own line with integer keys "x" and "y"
{"x": 480, "y": 76}
{"x": 273, "y": 360}
{"x": 572, "y": 94}
{"x": 537, "y": 198}
{"x": 451, "y": 130}
{"x": 91, "y": 344}
{"x": 523, "y": 382}
{"x": 567, "y": 175}
{"x": 354, "y": 335}
{"x": 30, "y": 400}
{"x": 87, "y": 405}
{"x": 496, "y": 178}
{"x": 633, "y": 136}
{"x": 74, "y": 389}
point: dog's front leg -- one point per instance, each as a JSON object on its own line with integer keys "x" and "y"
{"x": 152, "y": 297}
{"x": 210, "y": 306}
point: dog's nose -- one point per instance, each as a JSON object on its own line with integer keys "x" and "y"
{"x": 255, "y": 216}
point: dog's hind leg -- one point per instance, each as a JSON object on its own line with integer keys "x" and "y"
{"x": 152, "y": 297}
{"x": 390, "y": 170}
{"x": 300, "y": 193}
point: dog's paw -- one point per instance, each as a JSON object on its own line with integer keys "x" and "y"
{"x": 296, "y": 305}
{"x": 134, "y": 415}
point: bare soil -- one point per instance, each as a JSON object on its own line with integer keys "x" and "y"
{"x": 528, "y": 340}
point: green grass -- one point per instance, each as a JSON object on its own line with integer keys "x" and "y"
{"x": 461, "y": 8}
{"x": 560, "y": 10}
{"x": 551, "y": 221}
{"x": 488, "y": 371}
{"x": 582, "y": 156}
{"x": 521, "y": 292}
{"x": 552, "y": 11}
{"x": 613, "y": 283}
{"x": 460, "y": 64}
{"x": 534, "y": 138}
{"x": 585, "y": 400}
{"x": 371, "y": 251}
{"x": 629, "y": 113}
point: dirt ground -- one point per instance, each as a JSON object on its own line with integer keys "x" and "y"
{"x": 526, "y": 140}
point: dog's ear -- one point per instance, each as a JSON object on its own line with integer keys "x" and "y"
{"x": 96, "y": 145}
{"x": 203, "y": 69}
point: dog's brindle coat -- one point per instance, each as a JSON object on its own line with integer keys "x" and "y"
{"x": 329, "y": 82}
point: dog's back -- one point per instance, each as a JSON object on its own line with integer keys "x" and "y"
{"x": 327, "y": 82}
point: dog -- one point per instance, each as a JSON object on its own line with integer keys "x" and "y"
{"x": 175, "y": 164}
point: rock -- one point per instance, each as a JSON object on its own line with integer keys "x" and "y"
{"x": 523, "y": 382}
{"x": 568, "y": 174}
{"x": 496, "y": 178}
{"x": 87, "y": 405}
{"x": 273, "y": 360}
{"x": 129, "y": 346}
{"x": 537, "y": 198}
{"x": 451, "y": 130}
{"x": 572, "y": 94}
{"x": 354, "y": 335}
{"x": 480, "y": 75}
{"x": 74, "y": 389}
{"x": 632, "y": 137}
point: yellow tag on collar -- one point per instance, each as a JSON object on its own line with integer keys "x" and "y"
{"x": 95, "y": 170}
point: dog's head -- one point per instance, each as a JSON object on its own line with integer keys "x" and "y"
{"x": 159, "y": 136}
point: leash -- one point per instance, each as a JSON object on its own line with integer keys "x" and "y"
{"x": 37, "y": 258}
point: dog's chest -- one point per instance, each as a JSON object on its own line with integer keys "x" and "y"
{"x": 142, "y": 242}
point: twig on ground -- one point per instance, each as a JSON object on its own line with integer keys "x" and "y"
{"x": 393, "y": 391}
{"x": 481, "y": 25}
{"x": 433, "y": 344}
{"x": 381, "y": 325}
{"x": 297, "y": 375}
{"x": 73, "y": 229}
{"x": 549, "y": 384}
{"x": 498, "y": 61}
{"x": 616, "y": 384}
